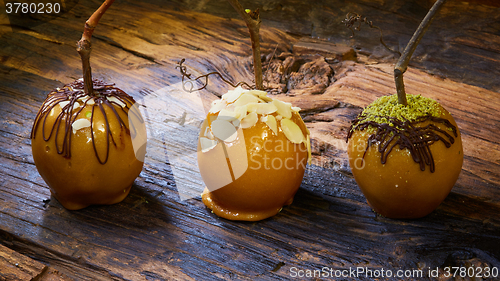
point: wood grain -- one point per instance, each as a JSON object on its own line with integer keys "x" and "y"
{"x": 154, "y": 235}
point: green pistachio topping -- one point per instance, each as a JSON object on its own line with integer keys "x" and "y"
{"x": 388, "y": 106}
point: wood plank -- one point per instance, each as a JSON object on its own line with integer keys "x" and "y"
{"x": 15, "y": 266}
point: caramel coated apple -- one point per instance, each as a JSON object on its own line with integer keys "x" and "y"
{"x": 405, "y": 160}
{"x": 252, "y": 154}
{"x": 82, "y": 145}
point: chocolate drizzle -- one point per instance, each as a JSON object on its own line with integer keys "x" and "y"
{"x": 406, "y": 134}
{"x": 71, "y": 93}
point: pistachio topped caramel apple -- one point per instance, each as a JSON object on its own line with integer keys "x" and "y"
{"x": 252, "y": 154}
{"x": 405, "y": 151}
{"x": 88, "y": 138}
{"x": 405, "y": 159}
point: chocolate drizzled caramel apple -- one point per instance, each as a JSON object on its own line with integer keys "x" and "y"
{"x": 82, "y": 145}
{"x": 88, "y": 139}
{"x": 405, "y": 159}
{"x": 252, "y": 154}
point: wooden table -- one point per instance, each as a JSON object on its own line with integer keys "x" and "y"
{"x": 154, "y": 235}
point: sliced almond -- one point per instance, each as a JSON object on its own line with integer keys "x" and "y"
{"x": 208, "y": 133}
{"x": 117, "y": 101}
{"x": 266, "y": 99}
{"x": 236, "y": 123}
{"x": 217, "y": 105}
{"x": 76, "y": 105}
{"x": 257, "y": 93}
{"x": 249, "y": 121}
{"x": 292, "y": 131}
{"x": 80, "y": 124}
{"x": 227, "y": 115}
{"x": 245, "y": 99}
{"x": 241, "y": 111}
{"x": 271, "y": 123}
{"x": 207, "y": 144}
{"x": 284, "y": 108}
{"x": 233, "y": 95}
{"x": 296, "y": 108}
{"x": 262, "y": 108}
{"x": 63, "y": 104}
{"x": 224, "y": 130}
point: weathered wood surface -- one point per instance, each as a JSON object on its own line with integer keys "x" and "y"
{"x": 153, "y": 235}
{"x": 14, "y": 266}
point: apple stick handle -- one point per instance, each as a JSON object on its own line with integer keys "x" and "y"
{"x": 252, "y": 19}
{"x": 83, "y": 46}
{"x": 403, "y": 61}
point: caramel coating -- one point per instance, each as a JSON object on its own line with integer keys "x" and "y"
{"x": 271, "y": 169}
{"x": 399, "y": 188}
{"x": 80, "y": 180}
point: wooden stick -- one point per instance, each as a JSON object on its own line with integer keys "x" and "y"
{"x": 403, "y": 61}
{"x": 83, "y": 46}
{"x": 252, "y": 19}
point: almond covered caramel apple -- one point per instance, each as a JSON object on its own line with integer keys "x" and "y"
{"x": 252, "y": 155}
{"x": 405, "y": 159}
{"x": 82, "y": 144}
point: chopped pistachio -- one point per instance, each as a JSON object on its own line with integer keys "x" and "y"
{"x": 418, "y": 106}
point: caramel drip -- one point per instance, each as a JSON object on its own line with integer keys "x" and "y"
{"x": 71, "y": 93}
{"x": 406, "y": 134}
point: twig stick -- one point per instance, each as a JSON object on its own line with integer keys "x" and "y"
{"x": 403, "y": 61}
{"x": 253, "y": 21}
{"x": 84, "y": 47}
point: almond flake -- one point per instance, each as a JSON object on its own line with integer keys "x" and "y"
{"x": 207, "y": 144}
{"x": 245, "y": 99}
{"x": 217, "y": 105}
{"x": 261, "y": 95}
{"x": 284, "y": 108}
{"x": 241, "y": 111}
{"x": 224, "y": 130}
{"x": 117, "y": 100}
{"x": 63, "y": 104}
{"x": 249, "y": 121}
{"x": 233, "y": 95}
{"x": 262, "y": 108}
{"x": 80, "y": 124}
{"x": 227, "y": 115}
{"x": 292, "y": 131}
{"x": 271, "y": 123}
{"x": 236, "y": 123}
{"x": 296, "y": 108}
{"x": 208, "y": 133}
